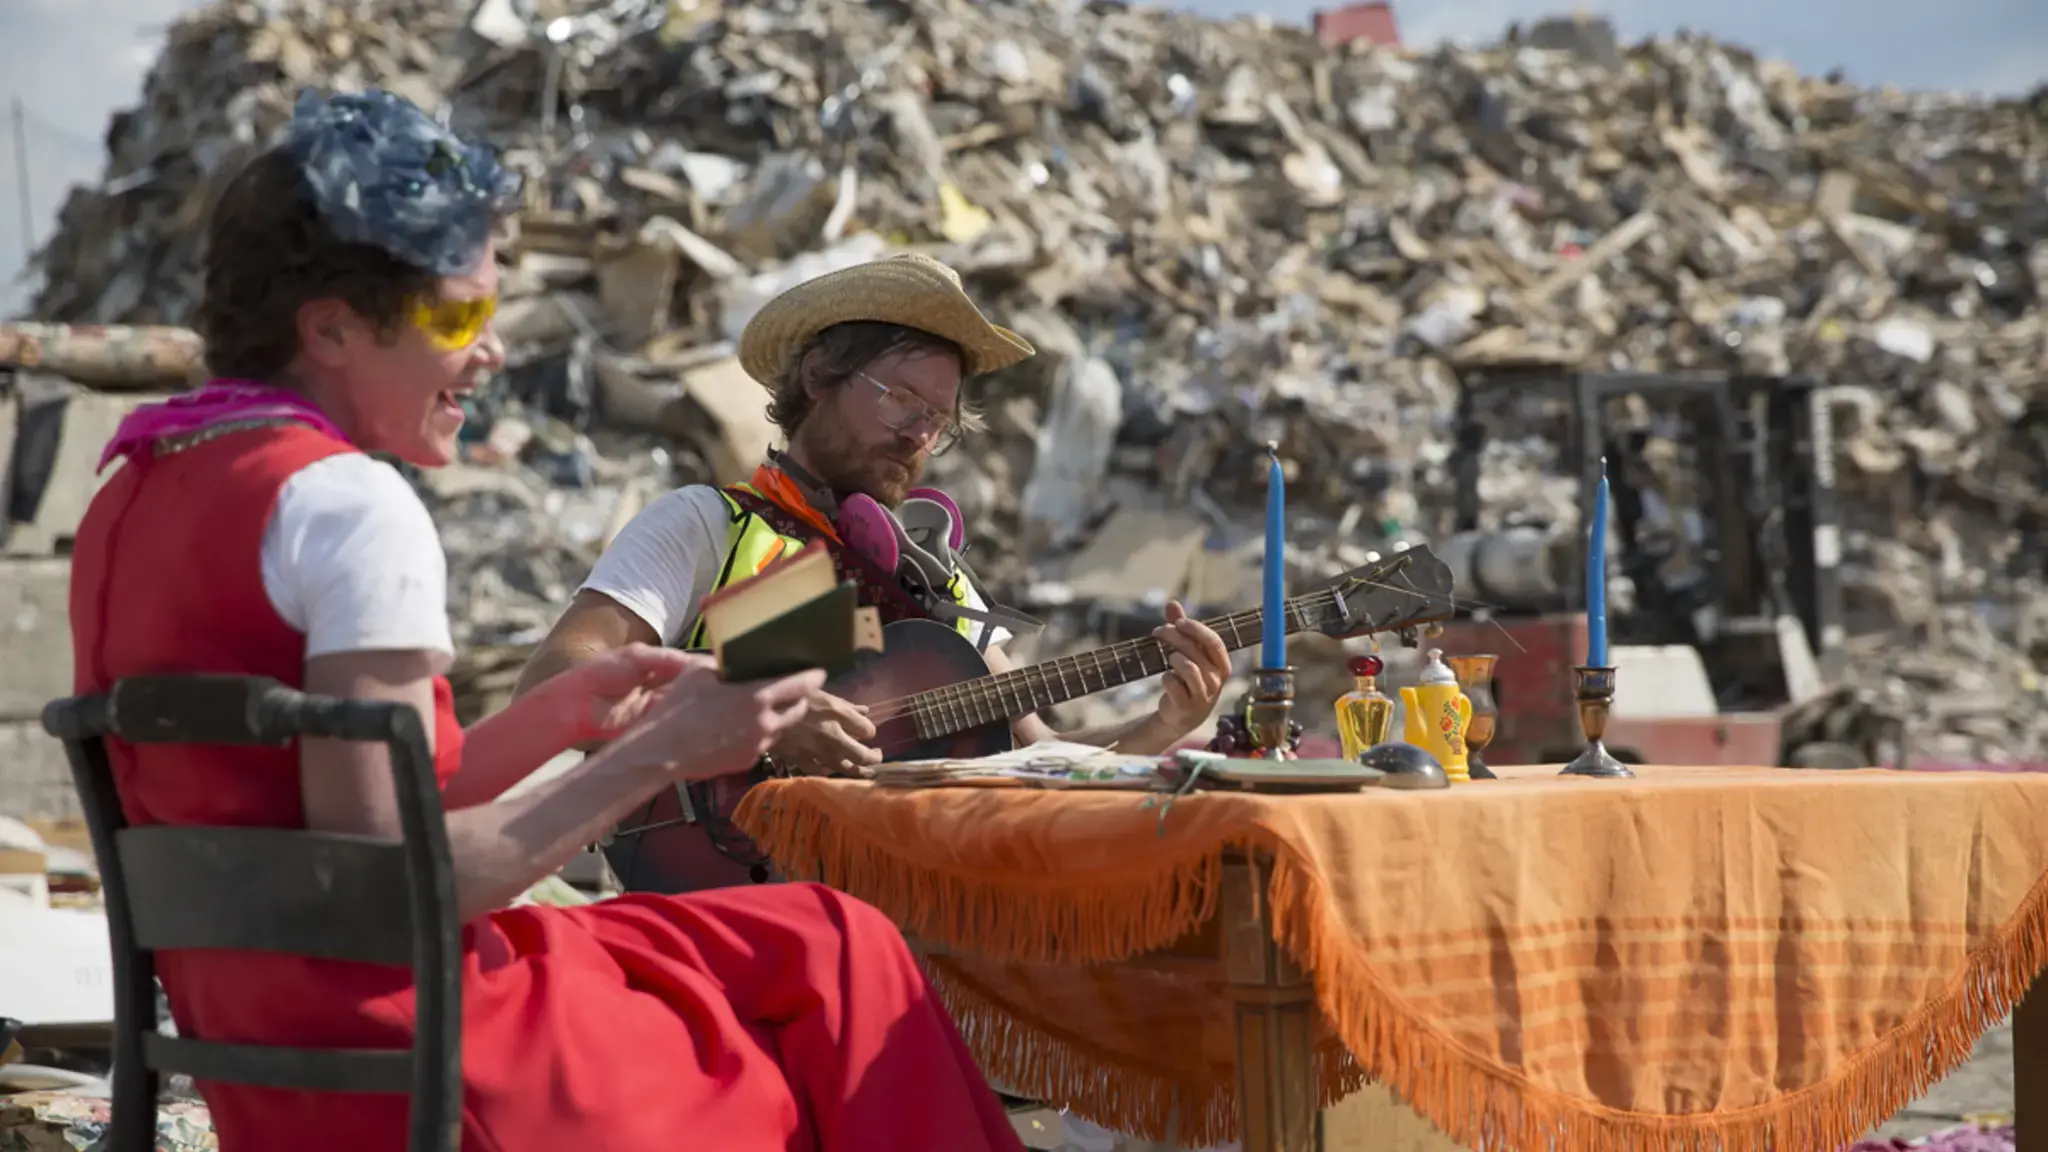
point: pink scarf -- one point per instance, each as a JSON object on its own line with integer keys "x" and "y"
{"x": 219, "y": 401}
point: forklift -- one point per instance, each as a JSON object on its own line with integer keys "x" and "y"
{"x": 1724, "y": 599}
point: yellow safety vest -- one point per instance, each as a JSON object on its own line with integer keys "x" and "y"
{"x": 752, "y": 543}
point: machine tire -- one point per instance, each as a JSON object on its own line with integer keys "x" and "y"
{"x": 1826, "y": 754}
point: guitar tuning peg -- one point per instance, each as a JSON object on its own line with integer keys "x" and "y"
{"x": 1433, "y": 630}
{"x": 1410, "y": 637}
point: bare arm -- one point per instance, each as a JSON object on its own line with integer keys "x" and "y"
{"x": 594, "y": 625}
{"x": 501, "y": 848}
{"x": 502, "y": 749}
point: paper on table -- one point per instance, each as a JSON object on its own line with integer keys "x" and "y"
{"x": 1047, "y": 753}
{"x": 1048, "y": 761}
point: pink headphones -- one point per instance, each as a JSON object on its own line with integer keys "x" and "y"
{"x": 882, "y": 537}
{"x": 926, "y": 532}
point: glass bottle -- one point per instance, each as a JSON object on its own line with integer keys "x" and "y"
{"x": 1365, "y": 715}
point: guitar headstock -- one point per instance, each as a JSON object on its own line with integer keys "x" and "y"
{"x": 1410, "y": 588}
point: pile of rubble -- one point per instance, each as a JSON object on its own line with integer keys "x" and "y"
{"x": 1221, "y": 233}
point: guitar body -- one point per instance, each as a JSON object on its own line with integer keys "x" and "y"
{"x": 679, "y": 856}
{"x": 920, "y": 656}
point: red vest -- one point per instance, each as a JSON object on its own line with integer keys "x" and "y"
{"x": 167, "y": 577}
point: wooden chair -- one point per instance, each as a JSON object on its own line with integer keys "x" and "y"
{"x": 304, "y": 893}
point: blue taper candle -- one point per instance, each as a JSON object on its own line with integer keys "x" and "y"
{"x": 1596, "y": 577}
{"x": 1273, "y": 628}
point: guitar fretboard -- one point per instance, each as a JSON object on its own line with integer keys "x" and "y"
{"x": 1034, "y": 688}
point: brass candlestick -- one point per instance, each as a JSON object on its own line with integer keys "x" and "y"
{"x": 1593, "y": 688}
{"x": 1271, "y": 711}
{"x": 1475, "y": 679}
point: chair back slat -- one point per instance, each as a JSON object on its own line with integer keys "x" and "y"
{"x": 299, "y": 1069}
{"x": 267, "y": 890}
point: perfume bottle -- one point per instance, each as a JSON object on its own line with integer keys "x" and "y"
{"x": 1365, "y": 716}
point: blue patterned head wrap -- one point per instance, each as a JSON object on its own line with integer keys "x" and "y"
{"x": 381, "y": 172}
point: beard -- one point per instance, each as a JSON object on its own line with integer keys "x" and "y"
{"x": 884, "y": 473}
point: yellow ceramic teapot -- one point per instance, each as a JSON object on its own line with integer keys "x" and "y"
{"x": 1438, "y": 714}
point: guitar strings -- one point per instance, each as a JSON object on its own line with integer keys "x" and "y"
{"x": 957, "y": 694}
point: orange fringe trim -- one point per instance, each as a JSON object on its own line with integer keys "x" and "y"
{"x": 1065, "y": 1072}
{"x": 1475, "y": 1101}
{"x": 1479, "y": 1103}
{"x": 1022, "y": 918}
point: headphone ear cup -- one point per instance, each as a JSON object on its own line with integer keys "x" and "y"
{"x": 869, "y": 530}
{"x": 930, "y": 527}
{"x": 956, "y": 536}
{"x": 923, "y": 541}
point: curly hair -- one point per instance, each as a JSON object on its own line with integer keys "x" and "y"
{"x": 268, "y": 254}
{"x": 834, "y": 355}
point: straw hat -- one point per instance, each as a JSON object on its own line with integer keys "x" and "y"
{"x": 911, "y": 289}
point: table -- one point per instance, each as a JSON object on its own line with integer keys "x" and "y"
{"x": 1700, "y": 956}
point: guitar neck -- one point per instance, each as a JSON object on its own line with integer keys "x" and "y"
{"x": 1022, "y": 691}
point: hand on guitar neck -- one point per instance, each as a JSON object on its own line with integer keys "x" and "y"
{"x": 1197, "y": 666}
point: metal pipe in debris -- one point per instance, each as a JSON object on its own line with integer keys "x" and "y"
{"x": 1520, "y": 569}
{"x": 106, "y": 355}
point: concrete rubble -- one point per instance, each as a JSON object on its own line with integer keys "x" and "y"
{"x": 1219, "y": 233}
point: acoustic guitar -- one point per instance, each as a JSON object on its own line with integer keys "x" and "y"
{"x": 931, "y": 696}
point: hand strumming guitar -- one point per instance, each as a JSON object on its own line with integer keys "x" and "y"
{"x": 828, "y": 740}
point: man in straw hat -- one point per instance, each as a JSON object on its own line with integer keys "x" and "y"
{"x": 864, "y": 368}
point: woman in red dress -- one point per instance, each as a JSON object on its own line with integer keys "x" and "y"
{"x": 349, "y": 285}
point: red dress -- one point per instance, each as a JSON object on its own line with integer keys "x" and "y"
{"x": 751, "y": 1020}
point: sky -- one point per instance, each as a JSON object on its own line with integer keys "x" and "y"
{"x": 73, "y": 63}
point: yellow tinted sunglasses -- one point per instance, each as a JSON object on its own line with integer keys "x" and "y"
{"x": 452, "y": 325}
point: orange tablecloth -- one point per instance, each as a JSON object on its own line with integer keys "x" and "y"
{"x": 1747, "y": 955}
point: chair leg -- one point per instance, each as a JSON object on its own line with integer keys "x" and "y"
{"x": 136, "y": 1085}
{"x": 135, "y": 1091}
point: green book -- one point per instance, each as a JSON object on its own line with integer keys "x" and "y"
{"x": 1253, "y": 775}
{"x": 822, "y": 632}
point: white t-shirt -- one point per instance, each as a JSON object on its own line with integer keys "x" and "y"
{"x": 351, "y": 559}
{"x": 663, "y": 563}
